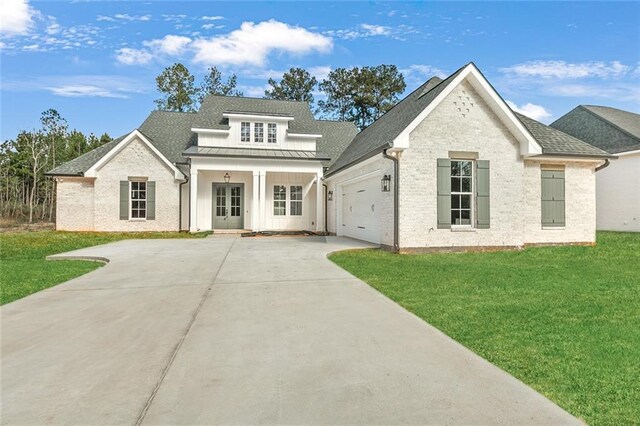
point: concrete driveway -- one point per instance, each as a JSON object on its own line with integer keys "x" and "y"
{"x": 242, "y": 331}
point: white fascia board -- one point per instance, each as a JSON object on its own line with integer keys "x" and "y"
{"x": 303, "y": 135}
{"x": 116, "y": 149}
{"x": 528, "y": 145}
{"x": 622, "y": 154}
{"x": 250, "y": 116}
{"x": 252, "y": 164}
{"x": 356, "y": 166}
{"x": 211, "y": 131}
{"x": 561, "y": 159}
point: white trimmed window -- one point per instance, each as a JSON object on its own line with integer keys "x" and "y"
{"x": 279, "y": 200}
{"x": 295, "y": 200}
{"x": 245, "y": 131}
{"x": 461, "y": 192}
{"x": 258, "y": 132}
{"x": 272, "y": 133}
{"x": 138, "y": 200}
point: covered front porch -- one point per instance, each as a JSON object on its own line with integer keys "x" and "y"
{"x": 256, "y": 195}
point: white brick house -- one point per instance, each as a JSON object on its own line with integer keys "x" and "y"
{"x": 450, "y": 166}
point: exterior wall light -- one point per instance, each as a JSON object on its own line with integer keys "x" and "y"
{"x": 227, "y": 178}
{"x": 330, "y": 195}
{"x": 386, "y": 183}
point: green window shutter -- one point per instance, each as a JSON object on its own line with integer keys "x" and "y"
{"x": 444, "y": 193}
{"x": 553, "y": 198}
{"x": 124, "y": 200}
{"x": 151, "y": 200}
{"x": 482, "y": 194}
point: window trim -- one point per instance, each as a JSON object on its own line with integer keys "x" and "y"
{"x": 131, "y": 199}
{"x": 471, "y": 193}
{"x": 297, "y": 201}
{"x": 276, "y": 185}
{"x": 256, "y": 133}
{"x": 275, "y": 133}
{"x": 242, "y": 126}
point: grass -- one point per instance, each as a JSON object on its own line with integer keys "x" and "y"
{"x": 564, "y": 320}
{"x": 24, "y": 270}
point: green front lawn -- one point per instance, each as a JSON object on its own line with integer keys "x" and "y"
{"x": 24, "y": 270}
{"x": 564, "y": 320}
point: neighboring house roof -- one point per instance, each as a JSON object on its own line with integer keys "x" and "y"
{"x": 555, "y": 142}
{"x": 607, "y": 128}
{"x": 382, "y": 132}
{"x": 286, "y": 154}
{"x": 171, "y": 132}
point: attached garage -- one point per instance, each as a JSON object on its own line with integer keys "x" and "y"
{"x": 360, "y": 206}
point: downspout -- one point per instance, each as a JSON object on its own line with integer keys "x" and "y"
{"x": 603, "y": 165}
{"x": 396, "y": 200}
{"x": 326, "y": 228}
{"x": 186, "y": 180}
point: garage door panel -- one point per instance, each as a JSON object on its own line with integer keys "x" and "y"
{"x": 360, "y": 206}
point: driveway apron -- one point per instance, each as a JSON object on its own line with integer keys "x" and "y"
{"x": 240, "y": 331}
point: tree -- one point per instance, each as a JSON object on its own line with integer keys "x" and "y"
{"x": 213, "y": 85}
{"x": 176, "y": 84}
{"x": 361, "y": 95}
{"x": 296, "y": 85}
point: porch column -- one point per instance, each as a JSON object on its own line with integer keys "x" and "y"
{"x": 319, "y": 203}
{"x": 263, "y": 200}
{"x": 193, "y": 200}
{"x": 255, "y": 202}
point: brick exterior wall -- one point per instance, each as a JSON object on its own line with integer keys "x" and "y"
{"x": 74, "y": 204}
{"x": 450, "y": 127}
{"x": 580, "y": 204}
{"x": 136, "y": 159}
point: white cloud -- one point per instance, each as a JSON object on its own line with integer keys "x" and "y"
{"x": 253, "y": 43}
{"x": 122, "y": 17}
{"x": 212, "y": 26}
{"x": 375, "y": 30}
{"x": 617, "y": 92}
{"x": 320, "y": 72}
{"x": 16, "y": 17}
{"x": 77, "y": 91}
{"x": 169, "y": 45}
{"x": 562, "y": 69}
{"x": 212, "y": 18}
{"x": 420, "y": 73}
{"x": 129, "y": 56}
{"x": 537, "y": 112}
{"x": 254, "y": 91}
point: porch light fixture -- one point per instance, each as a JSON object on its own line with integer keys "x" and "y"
{"x": 330, "y": 195}
{"x": 386, "y": 183}
{"x": 227, "y": 178}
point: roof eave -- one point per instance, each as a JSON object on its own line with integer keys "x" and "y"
{"x": 362, "y": 158}
{"x": 574, "y": 155}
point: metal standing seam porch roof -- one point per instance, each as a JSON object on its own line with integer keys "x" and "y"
{"x": 285, "y": 154}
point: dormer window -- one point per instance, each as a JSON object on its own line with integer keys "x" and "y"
{"x": 258, "y": 132}
{"x": 272, "y": 134}
{"x": 245, "y": 131}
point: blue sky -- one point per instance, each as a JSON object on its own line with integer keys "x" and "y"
{"x": 95, "y": 62}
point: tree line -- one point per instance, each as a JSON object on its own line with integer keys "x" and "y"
{"x": 358, "y": 94}
{"x": 25, "y": 193}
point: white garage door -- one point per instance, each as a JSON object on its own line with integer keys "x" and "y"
{"x": 360, "y": 206}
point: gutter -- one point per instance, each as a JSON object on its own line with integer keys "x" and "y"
{"x": 326, "y": 228}
{"x": 603, "y": 165}
{"x": 396, "y": 200}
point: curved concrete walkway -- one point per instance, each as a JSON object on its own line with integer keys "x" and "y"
{"x": 242, "y": 331}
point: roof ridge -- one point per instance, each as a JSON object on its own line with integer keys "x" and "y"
{"x": 254, "y": 98}
{"x": 614, "y": 125}
{"x": 175, "y": 112}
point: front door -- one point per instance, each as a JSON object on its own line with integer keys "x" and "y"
{"x": 227, "y": 205}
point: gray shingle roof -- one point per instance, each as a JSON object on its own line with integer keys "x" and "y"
{"x": 81, "y": 164}
{"x": 170, "y": 132}
{"x": 384, "y": 130}
{"x": 555, "y": 142}
{"x": 607, "y": 128}
{"x": 213, "y": 151}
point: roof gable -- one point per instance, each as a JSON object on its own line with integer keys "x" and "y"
{"x": 607, "y": 128}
